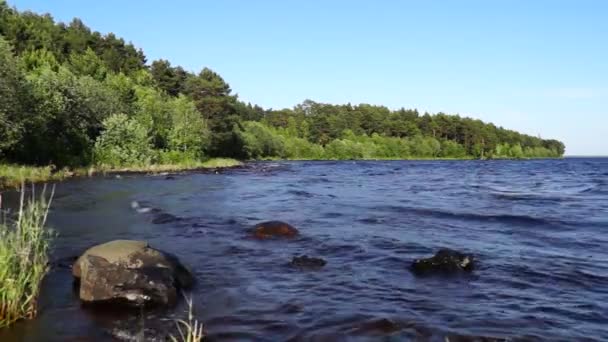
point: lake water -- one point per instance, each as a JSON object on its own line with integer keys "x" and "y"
{"x": 539, "y": 230}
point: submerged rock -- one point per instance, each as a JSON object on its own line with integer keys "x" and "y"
{"x": 164, "y": 218}
{"x": 130, "y": 272}
{"x": 64, "y": 263}
{"x": 445, "y": 261}
{"x": 471, "y": 338}
{"x": 305, "y": 261}
{"x": 137, "y": 329}
{"x": 272, "y": 229}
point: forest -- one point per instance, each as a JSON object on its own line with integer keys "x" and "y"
{"x": 71, "y": 96}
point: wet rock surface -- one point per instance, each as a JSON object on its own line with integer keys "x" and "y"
{"x": 274, "y": 229}
{"x": 306, "y": 262}
{"x": 129, "y": 272}
{"x": 164, "y": 218}
{"x": 137, "y": 329}
{"x": 446, "y": 261}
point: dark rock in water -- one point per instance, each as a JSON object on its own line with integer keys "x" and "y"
{"x": 64, "y": 263}
{"x": 138, "y": 329}
{"x": 461, "y": 338}
{"x": 273, "y": 229}
{"x": 446, "y": 261}
{"x": 102, "y": 281}
{"x": 382, "y": 325}
{"x": 305, "y": 261}
{"x": 466, "y": 338}
{"x": 169, "y": 177}
{"x": 163, "y": 218}
{"x": 130, "y": 272}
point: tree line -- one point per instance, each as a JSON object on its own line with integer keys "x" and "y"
{"x": 71, "y": 96}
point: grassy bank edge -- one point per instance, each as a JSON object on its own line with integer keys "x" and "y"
{"x": 409, "y": 159}
{"x": 12, "y": 176}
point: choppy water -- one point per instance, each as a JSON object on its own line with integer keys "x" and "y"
{"x": 538, "y": 228}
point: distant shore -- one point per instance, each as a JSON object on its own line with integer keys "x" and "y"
{"x": 12, "y": 176}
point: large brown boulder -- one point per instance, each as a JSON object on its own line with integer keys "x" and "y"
{"x": 274, "y": 229}
{"x": 130, "y": 272}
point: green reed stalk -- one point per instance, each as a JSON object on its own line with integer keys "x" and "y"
{"x": 24, "y": 247}
{"x": 190, "y": 330}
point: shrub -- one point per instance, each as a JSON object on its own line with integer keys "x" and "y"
{"x": 124, "y": 142}
{"x": 260, "y": 141}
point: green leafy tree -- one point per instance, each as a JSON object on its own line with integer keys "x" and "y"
{"x": 188, "y": 132}
{"x": 88, "y": 64}
{"x": 124, "y": 142}
{"x": 13, "y": 99}
{"x": 69, "y": 111}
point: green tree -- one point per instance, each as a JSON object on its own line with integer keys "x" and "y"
{"x": 88, "y": 64}
{"x": 188, "y": 131}
{"x": 13, "y": 99}
{"x": 169, "y": 79}
{"x": 212, "y": 97}
{"x": 124, "y": 142}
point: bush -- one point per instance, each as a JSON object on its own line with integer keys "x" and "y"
{"x": 260, "y": 141}
{"x": 124, "y": 142}
{"x": 298, "y": 148}
{"x": 173, "y": 157}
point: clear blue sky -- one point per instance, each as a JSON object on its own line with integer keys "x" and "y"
{"x": 540, "y": 67}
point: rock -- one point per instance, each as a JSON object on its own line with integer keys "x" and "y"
{"x": 164, "y": 218}
{"x": 466, "y": 338}
{"x": 64, "y": 263}
{"x": 382, "y": 325}
{"x": 137, "y": 329}
{"x": 305, "y": 261}
{"x": 272, "y": 229}
{"x": 130, "y": 272}
{"x": 445, "y": 261}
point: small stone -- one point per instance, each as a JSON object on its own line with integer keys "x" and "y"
{"x": 305, "y": 261}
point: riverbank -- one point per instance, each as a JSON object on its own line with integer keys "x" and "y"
{"x": 12, "y": 176}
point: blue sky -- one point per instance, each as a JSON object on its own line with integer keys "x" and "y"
{"x": 540, "y": 67}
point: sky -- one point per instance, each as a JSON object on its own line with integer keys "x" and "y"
{"x": 539, "y": 67}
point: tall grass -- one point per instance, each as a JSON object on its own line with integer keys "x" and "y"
{"x": 24, "y": 246}
{"x": 190, "y": 330}
{"x": 12, "y": 176}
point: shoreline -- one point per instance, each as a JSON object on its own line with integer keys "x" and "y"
{"x": 12, "y": 176}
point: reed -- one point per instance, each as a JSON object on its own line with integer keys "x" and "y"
{"x": 24, "y": 247}
{"x": 190, "y": 330}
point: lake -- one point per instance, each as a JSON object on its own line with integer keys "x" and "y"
{"x": 538, "y": 229}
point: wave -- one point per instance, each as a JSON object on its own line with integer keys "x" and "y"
{"x": 300, "y": 193}
{"x": 504, "y": 218}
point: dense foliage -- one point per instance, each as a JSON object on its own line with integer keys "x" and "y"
{"x": 72, "y": 96}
